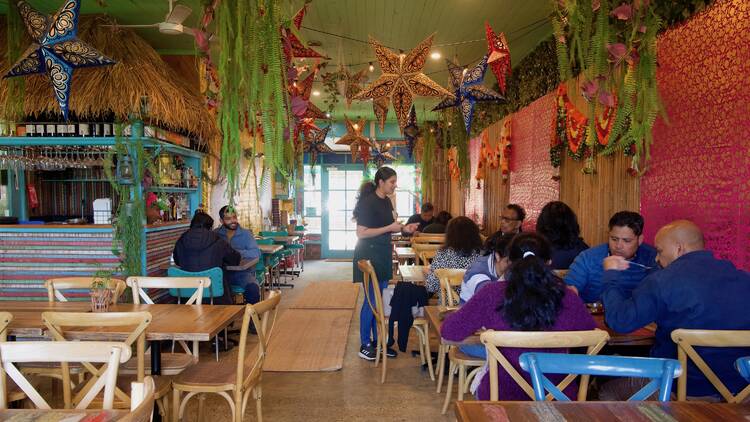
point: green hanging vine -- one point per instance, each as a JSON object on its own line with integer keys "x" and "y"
{"x": 252, "y": 89}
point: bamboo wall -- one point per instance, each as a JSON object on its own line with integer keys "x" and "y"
{"x": 594, "y": 198}
{"x": 496, "y": 188}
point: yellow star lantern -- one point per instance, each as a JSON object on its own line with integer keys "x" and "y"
{"x": 402, "y": 79}
{"x": 354, "y": 138}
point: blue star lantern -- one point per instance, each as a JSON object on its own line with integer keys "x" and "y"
{"x": 411, "y": 130}
{"x": 56, "y": 50}
{"x": 468, "y": 88}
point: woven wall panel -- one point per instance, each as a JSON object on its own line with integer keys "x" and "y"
{"x": 700, "y": 165}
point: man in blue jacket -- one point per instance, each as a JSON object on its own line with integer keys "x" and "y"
{"x": 626, "y": 241}
{"x": 243, "y": 241}
{"x": 695, "y": 290}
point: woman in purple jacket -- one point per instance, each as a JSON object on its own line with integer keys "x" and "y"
{"x": 532, "y": 299}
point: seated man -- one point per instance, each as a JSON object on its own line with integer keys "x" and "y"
{"x": 439, "y": 223}
{"x": 200, "y": 249}
{"x": 695, "y": 290}
{"x": 424, "y": 218}
{"x": 626, "y": 241}
{"x": 243, "y": 241}
{"x": 511, "y": 219}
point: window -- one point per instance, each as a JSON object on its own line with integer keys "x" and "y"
{"x": 407, "y": 192}
{"x": 313, "y": 200}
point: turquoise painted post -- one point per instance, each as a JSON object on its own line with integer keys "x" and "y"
{"x": 136, "y": 136}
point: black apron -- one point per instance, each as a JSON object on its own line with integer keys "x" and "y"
{"x": 379, "y": 251}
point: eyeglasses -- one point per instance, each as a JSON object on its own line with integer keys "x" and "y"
{"x": 504, "y": 218}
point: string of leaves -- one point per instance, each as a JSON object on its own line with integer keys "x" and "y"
{"x": 252, "y": 90}
{"x": 13, "y": 107}
{"x": 428, "y": 151}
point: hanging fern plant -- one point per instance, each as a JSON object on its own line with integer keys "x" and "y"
{"x": 252, "y": 89}
{"x": 616, "y": 50}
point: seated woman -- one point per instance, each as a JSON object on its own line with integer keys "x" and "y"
{"x": 438, "y": 225}
{"x": 532, "y": 299}
{"x": 487, "y": 268}
{"x": 460, "y": 250}
{"x": 559, "y": 224}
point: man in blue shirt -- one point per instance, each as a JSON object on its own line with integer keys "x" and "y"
{"x": 693, "y": 291}
{"x": 243, "y": 241}
{"x": 626, "y": 241}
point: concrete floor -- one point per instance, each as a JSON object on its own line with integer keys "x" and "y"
{"x": 351, "y": 394}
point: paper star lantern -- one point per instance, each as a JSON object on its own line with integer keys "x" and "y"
{"x": 402, "y": 79}
{"x": 354, "y": 138}
{"x": 469, "y": 89}
{"x": 292, "y": 41}
{"x": 56, "y": 50}
{"x": 380, "y": 107}
{"x": 353, "y": 84}
{"x": 499, "y": 56}
{"x": 316, "y": 144}
{"x": 411, "y": 131}
{"x": 381, "y": 153}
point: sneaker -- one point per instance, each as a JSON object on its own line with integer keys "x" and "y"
{"x": 367, "y": 353}
{"x": 390, "y": 352}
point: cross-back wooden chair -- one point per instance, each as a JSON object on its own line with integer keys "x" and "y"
{"x": 450, "y": 280}
{"x": 56, "y": 322}
{"x": 426, "y": 250}
{"x": 232, "y": 380}
{"x": 686, "y": 339}
{"x": 421, "y": 325}
{"x": 592, "y": 340}
{"x": 426, "y": 256}
{"x": 438, "y": 239}
{"x": 56, "y": 286}
{"x": 172, "y": 363}
{"x": 13, "y": 393}
{"x": 141, "y": 401}
{"x": 111, "y": 354}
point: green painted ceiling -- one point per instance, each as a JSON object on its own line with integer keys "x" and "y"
{"x": 399, "y": 24}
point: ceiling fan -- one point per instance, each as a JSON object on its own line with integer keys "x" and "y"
{"x": 172, "y": 24}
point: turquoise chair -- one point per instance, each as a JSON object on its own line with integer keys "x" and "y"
{"x": 743, "y": 365}
{"x": 273, "y": 260}
{"x": 289, "y": 249}
{"x": 660, "y": 371}
{"x": 217, "y": 282}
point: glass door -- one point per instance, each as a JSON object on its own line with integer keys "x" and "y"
{"x": 340, "y": 187}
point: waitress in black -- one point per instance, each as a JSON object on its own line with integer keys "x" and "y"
{"x": 375, "y": 220}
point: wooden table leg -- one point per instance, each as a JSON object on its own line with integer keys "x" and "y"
{"x": 156, "y": 370}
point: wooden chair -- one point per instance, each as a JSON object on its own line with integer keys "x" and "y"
{"x": 172, "y": 363}
{"x": 56, "y": 323}
{"x": 141, "y": 401}
{"x": 55, "y": 286}
{"x": 111, "y": 354}
{"x": 593, "y": 340}
{"x": 13, "y": 392}
{"x": 686, "y": 339}
{"x": 421, "y": 325}
{"x": 428, "y": 238}
{"x": 426, "y": 256}
{"x": 232, "y": 380}
{"x": 450, "y": 280}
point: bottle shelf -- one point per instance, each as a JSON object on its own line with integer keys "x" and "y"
{"x": 170, "y": 189}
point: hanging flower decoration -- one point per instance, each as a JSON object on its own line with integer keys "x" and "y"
{"x": 292, "y": 40}
{"x": 56, "y": 50}
{"x": 316, "y": 144}
{"x": 380, "y": 107}
{"x": 402, "y": 79}
{"x": 468, "y": 89}
{"x": 499, "y": 55}
{"x": 503, "y": 151}
{"x": 358, "y": 144}
{"x": 411, "y": 131}
{"x": 453, "y": 170}
{"x": 381, "y": 153}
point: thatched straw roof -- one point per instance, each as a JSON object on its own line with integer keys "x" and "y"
{"x": 118, "y": 89}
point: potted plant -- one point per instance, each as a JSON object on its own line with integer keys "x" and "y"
{"x": 101, "y": 294}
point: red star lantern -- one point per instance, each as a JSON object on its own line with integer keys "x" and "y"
{"x": 499, "y": 56}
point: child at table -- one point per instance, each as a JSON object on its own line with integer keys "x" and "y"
{"x": 532, "y": 298}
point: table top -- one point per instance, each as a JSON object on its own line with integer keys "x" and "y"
{"x": 270, "y": 249}
{"x": 282, "y": 239}
{"x": 169, "y": 322}
{"x": 412, "y": 273}
{"x": 60, "y": 415}
{"x": 27, "y": 315}
{"x": 405, "y": 253}
{"x": 243, "y": 265}
{"x": 644, "y": 336}
{"x": 645, "y": 411}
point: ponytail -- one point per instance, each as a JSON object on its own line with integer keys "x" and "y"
{"x": 533, "y": 296}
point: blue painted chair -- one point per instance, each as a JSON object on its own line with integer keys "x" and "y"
{"x": 215, "y": 290}
{"x": 743, "y": 366}
{"x": 660, "y": 371}
{"x": 291, "y": 250}
{"x": 271, "y": 261}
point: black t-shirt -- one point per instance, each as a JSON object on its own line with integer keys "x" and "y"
{"x": 417, "y": 218}
{"x": 375, "y": 212}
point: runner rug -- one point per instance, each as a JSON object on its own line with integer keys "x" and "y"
{"x": 328, "y": 295}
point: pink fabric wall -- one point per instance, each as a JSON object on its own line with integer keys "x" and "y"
{"x": 700, "y": 164}
{"x": 531, "y": 184}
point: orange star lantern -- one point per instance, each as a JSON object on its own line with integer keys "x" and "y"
{"x": 402, "y": 79}
{"x": 354, "y": 139}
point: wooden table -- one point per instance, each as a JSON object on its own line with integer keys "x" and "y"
{"x": 270, "y": 249}
{"x": 405, "y": 253}
{"x": 412, "y": 273}
{"x": 284, "y": 240}
{"x": 60, "y": 415}
{"x": 644, "y": 336}
{"x": 478, "y": 411}
{"x": 243, "y": 265}
{"x": 27, "y": 315}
